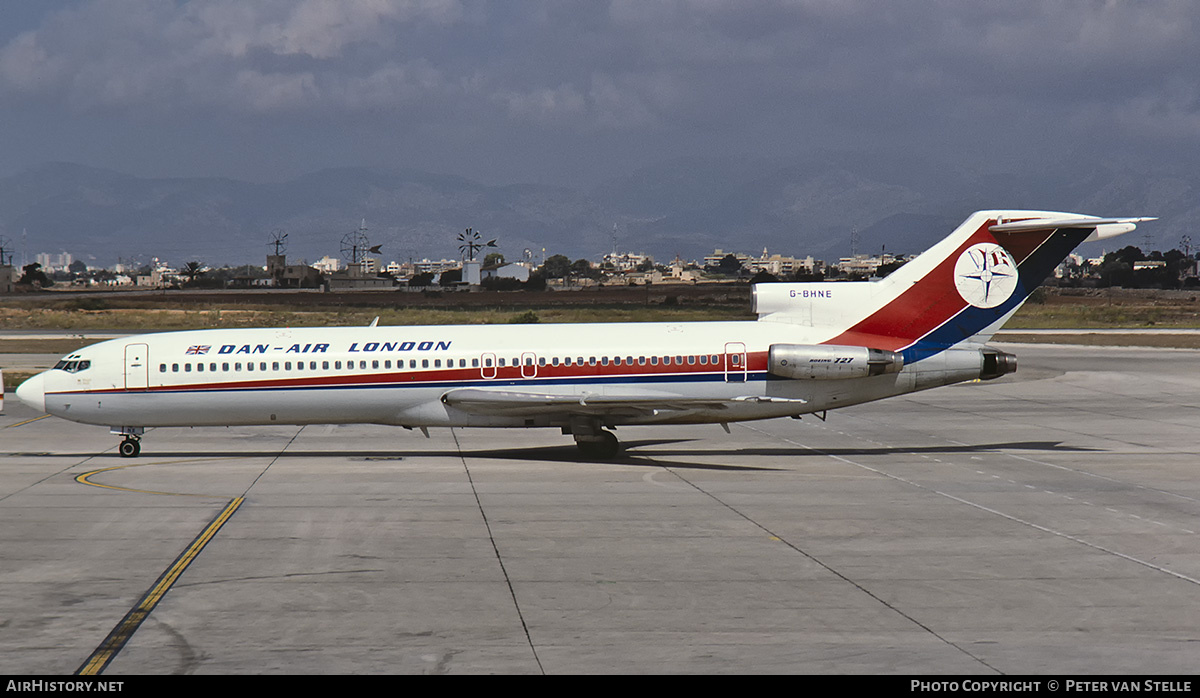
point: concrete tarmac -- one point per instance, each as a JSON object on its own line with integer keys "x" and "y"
{"x": 1047, "y": 522}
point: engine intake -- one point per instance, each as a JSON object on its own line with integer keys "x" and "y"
{"x": 831, "y": 361}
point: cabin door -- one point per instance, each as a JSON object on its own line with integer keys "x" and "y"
{"x": 528, "y": 365}
{"x": 487, "y": 365}
{"x": 735, "y": 362}
{"x": 137, "y": 367}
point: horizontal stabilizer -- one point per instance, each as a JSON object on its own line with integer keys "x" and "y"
{"x": 1105, "y": 227}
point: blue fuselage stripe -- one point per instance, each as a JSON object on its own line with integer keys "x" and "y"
{"x": 717, "y": 377}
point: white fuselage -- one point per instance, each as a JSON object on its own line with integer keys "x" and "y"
{"x": 399, "y": 375}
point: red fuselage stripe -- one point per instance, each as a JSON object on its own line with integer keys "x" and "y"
{"x": 755, "y": 361}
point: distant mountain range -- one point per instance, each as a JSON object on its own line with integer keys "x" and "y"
{"x": 684, "y": 207}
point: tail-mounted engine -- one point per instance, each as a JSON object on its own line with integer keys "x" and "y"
{"x": 831, "y": 362}
{"x": 997, "y": 363}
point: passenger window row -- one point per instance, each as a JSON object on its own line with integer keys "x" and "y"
{"x": 386, "y": 364}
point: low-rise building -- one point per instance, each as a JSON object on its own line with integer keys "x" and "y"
{"x": 626, "y": 261}
{"x": 328, "y": 265}
{"x": 863, "y": 265}
{"x": 152, "y": 280}
{"x": 718, "y": 254}
{"x": 779, "y": 265}
{"x": 429, "y": 266}
{"x": 286, "y": 275}
{"x": 507, "y": 270}
{"x": 356, "y": 278}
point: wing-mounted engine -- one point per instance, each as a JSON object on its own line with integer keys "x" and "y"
{"x": 831, "y": 362}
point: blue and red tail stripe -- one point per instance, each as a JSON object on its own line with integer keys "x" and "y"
{"x": 932, "y": 316}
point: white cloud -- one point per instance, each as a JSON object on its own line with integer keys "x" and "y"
{"x": 548, "y": 106}
{"x": 324, "y": 28}
{"x": 25, "y": 64}
{"x": 1174, "y": 115}
{"x": 723, "y": 72}
{"x": 274, "y": 91}
{"x": 158, "y": 54}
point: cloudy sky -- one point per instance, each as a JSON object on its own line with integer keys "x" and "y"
{"x": 577, "y": 91}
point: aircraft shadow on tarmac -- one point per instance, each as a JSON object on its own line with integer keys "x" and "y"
{"x": 658, "y": 454}
{"x": 654, "y": 458}
{"x": 570, "y": 454}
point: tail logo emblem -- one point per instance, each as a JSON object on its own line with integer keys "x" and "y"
{"x": 985, "y": 275}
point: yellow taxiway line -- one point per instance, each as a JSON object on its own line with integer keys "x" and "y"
{"x": 83, "y": 479}
{"x": 124, "y": 630}
{"x": 27, "y": 421}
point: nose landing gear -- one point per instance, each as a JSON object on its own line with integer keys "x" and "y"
{"x": 131, "y": 445}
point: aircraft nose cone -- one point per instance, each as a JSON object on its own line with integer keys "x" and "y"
{"x": 33, "y": 392}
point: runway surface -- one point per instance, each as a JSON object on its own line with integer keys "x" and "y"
{"x": 1047, "y": 522}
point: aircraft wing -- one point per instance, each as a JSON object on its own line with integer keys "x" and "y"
{"x": 483, "y": 401}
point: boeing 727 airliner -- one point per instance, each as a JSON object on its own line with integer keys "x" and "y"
{"x": 815, "y": 347}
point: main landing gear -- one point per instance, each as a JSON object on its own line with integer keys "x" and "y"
{"x": 593, "y": 441}
{"x": 131, "y": 445}
{"x": 605, "y": 447}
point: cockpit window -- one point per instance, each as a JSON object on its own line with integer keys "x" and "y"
{"x": 73, "y": 365}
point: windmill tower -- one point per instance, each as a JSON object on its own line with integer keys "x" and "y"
{"x": 6, "y": 270}
{"x": 355, "y": 248}
{"x": 277, "y": 262}
{"x": 6, "y": 251}
{"x": 470, "y": 242}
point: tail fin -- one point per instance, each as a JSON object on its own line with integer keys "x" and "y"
{"x": 964, "y": 288}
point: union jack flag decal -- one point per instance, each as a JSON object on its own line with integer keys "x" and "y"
{"x": 199, "y": 349}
